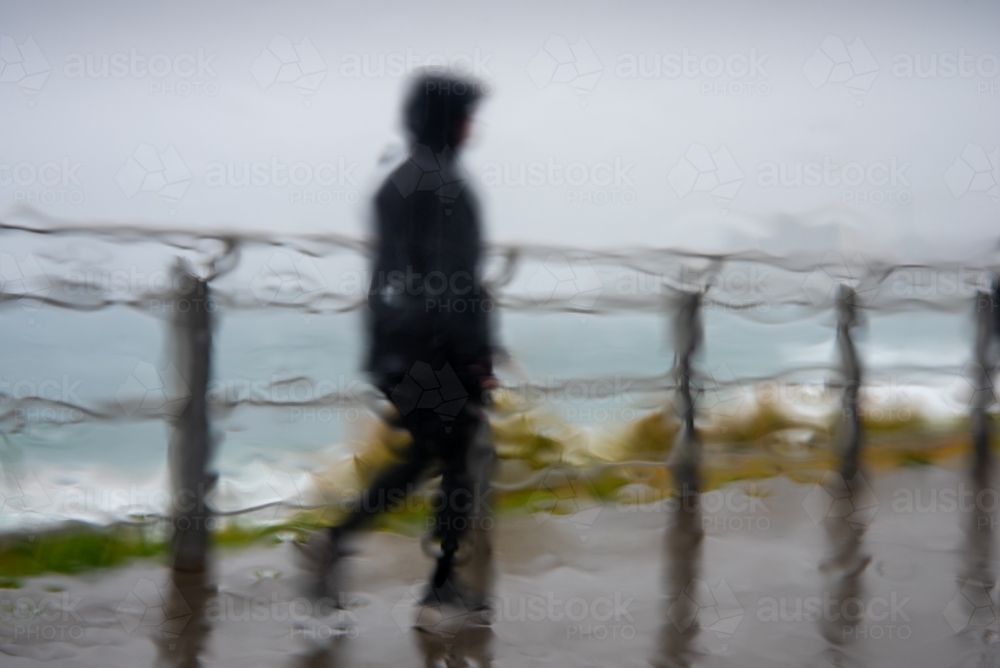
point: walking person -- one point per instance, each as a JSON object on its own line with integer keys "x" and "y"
{"x": 428, "y": 322}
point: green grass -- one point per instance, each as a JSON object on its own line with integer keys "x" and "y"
{"x": 742, "y": 442}
{"x": 72, "y": 549}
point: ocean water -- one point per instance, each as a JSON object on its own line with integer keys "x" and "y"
{"x": 287, "y": 396}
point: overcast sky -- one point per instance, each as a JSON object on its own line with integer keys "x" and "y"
{"x": 701, "y": 124}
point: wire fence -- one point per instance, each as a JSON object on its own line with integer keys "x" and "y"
{"x": 189, "y": 279}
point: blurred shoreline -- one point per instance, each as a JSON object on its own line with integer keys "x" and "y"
{"x": 545, "y": 466}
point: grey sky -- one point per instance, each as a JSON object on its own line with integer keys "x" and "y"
{"x": 640, "y": 153}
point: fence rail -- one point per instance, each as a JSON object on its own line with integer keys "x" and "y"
{"x": 202, "y": 276}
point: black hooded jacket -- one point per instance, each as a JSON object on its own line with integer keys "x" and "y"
{"x": 425, "y": 301}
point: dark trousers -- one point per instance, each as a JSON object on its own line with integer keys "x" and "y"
{"x": 440, "y": 439}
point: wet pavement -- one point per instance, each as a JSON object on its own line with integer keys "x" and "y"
{"x": 896, "y": 569}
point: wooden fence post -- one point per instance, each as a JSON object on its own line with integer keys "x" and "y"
{"x": 685, "y": 456}
{"x": 983, "y": 395}
{"x": 191, "y": 443}
{"x": 850, "y": 444}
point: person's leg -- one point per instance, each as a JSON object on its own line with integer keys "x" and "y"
{"x": 321, "y": 554}
{"x": 457, "y": 493}
{"x": 389, "y": 488}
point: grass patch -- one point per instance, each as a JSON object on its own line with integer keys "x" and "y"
{"x": 759, "y": 443}
{"x": 73, "y": 549}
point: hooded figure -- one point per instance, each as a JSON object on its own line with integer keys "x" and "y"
{"x": 425, "y": 302}
{"x": 428, "y": 330}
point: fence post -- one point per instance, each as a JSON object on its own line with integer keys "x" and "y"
{"x": 191, "y": 444}
{"x": 684, "y": 534}
{"x": 685, "y": 456}
{"x": 847, "y": 318}
{"x": 983, "y": 395}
